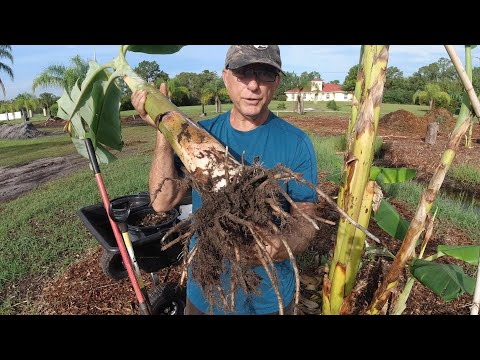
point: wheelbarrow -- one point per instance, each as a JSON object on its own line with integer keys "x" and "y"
{"x": 165, "y": 297}
{"x": 129, "y": 248}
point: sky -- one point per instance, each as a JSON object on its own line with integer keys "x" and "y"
{"x": 331, "y": 61}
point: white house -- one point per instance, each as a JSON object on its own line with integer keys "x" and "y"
{"x": 320, "y": 92}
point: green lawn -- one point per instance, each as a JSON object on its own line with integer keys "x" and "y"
{"x": 23, "y": 151}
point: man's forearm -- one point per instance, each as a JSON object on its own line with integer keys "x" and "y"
{"x": 162, "y": 168}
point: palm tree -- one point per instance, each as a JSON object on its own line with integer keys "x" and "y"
{"x": 431, "y": 94}
{"x": 4, "y": 108}
{"x": 213, "y": 90}
{"x": 174, "y": 90}
{"x": 46, "y": 100}
{"x": 316, "y": 89}
{"x": 5, "y": 52}
{"x": 300, "y": 85}
{"x": 26, "y": 101}
{"x": 62, "y": 76}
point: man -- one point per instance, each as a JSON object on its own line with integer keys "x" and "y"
{"x": 251, "y": 76}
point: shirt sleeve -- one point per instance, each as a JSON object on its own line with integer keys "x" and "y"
{"x": 304, "y": 163}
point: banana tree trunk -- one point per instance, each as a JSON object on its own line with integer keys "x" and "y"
{"x": 468, "y": 139}
{"x": 465, "y": 110}
{"x": 356, "y": 194}
{"x": 356, "y": 95}
{"x": 201, "y": 154}
{"x": 427, "y": 198}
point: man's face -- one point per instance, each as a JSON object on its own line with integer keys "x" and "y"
{"x": 251, "y": 88}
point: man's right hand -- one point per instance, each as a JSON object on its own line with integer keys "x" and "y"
{"x": 138, "y": 101}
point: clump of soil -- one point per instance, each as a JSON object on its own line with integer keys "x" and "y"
{"x": 20, "y": 131}
{"x": 153, "y": 219}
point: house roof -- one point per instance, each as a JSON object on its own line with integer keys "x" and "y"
{"x": 331, "y": 88}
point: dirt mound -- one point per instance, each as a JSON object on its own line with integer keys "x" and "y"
{"x": 21, "y": 131}
{"x": 405, "y": 121}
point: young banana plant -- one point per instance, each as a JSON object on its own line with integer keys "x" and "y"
{"x": 93, "y": 112}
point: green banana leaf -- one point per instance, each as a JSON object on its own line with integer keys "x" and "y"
{"x": 390, "y": 221}
{"x": 94, "y": 111}
{"x": 391, "y": 175}
{"x": 446, "y": 280}
{"x": 468, "y": 253}
{"x": 155, "y": 49}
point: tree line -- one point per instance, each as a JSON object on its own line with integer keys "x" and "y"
{"x": 436, "y": 84}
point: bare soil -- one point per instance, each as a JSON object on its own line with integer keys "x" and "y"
{"x": 84, "y": 289}
{"x": 403, "y": 135}
{"x": 17, "y": 180}
{"x": 153, "y": 219}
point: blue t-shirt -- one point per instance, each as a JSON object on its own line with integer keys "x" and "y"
{"x": 274, "y": 142}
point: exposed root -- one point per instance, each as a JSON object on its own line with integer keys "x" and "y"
{"x": 182, "y": 237}
{"x": 292, "y": 203}
{"x": 295, "y": 268}
{"x": 233, "y": 227}
{"x": 261, "y": 254}
{"x": 186, "y": 264}
{"x": 176, "y": 228}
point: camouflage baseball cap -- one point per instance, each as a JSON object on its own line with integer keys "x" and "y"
{"x": 241, "y": 55}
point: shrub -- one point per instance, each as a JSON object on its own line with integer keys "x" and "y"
{"x": 281, "y": 106}
{"x": 126, "y": 103}
{"x": 332, "y": 105}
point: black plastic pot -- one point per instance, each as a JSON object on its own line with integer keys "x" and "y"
{"x": 141, "y": 232}
{"x": 135, "y": 202}
{"x": 145, "y": 240}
